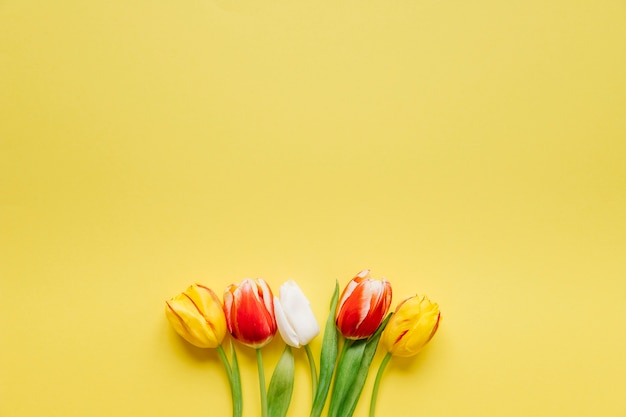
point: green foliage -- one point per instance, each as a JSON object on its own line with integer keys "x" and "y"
{"x": 328, "y": 357}
{"x": 281, "y": 385}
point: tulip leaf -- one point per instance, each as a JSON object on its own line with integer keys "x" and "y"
{"x": 281, "y": 385}
{"x": 328, "y": 357}
{"x": 350, "y": 398}
{"x": 349, "y": 362}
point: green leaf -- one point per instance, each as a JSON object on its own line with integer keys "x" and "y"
{"x": 281, "y": 385}
{"x": 352, "y": 393}
{"x": 349, "y": 362}
{"x": 328, "y": 357}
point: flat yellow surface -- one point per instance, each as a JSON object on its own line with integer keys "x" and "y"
{"x": 471, "y": 151}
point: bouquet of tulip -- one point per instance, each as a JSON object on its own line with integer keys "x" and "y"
{"x": 252, "y": 315}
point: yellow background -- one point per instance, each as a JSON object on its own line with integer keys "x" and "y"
{"x": 472, "y": 151}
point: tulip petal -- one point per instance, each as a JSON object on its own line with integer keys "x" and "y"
{"x": 284, "y": 326}
{"x": 354, "y": 310}
{"x": 265, "y": 294}
{"x": 347, "y": 292}
{"x": 299, "y": 313}
{"x": 252, "y": 316}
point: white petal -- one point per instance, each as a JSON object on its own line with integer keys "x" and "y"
{"x": 298, "y": 311}
{"x": 364, "y": 301}
{"x": 266, "y": 293}
{"x": 284, "y": 327}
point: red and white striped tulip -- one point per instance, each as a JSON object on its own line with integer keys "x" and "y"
{"x": 249, "y": 311}
{"x": 363, "y": 306}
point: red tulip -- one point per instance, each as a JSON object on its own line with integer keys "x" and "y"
{"x": 363, "y": 306}
{"x": 249, "y": 309}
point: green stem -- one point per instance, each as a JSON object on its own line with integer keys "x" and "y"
{"x": 224, "y": 360}
{"x": 379, "y": 375}
{"x": 259, "y": 361}
{"x": 346, "y": 344}
{"x": 309, "y": 355}
{"x": 235, "y": 388}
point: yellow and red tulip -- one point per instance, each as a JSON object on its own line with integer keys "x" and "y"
{"x": 197, "y": 316}
{"x": 363, "y": 306}
{"x": 249, "y": 309}
{"x": 412, "y": 326}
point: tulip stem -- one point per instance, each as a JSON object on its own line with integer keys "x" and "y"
{"x": 233, "y": 380}
{"x": 379, "y": 375}
{"x": 224, "y": 359}
{"x": 309, "y": 355}
{"x": 259, "y": 361}
{"x": 346, "y": 344}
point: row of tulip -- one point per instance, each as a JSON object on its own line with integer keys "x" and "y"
{"x": 252, "y": 315}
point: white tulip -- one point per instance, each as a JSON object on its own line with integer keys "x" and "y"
{"x": 295, "y": 319}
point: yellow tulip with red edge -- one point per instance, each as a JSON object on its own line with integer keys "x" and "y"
{"x": 412, "y": 326}
{"x": 197, "y": 316}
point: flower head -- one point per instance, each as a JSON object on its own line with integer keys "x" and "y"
{"x": 295, "y": 319}
{"x": 362, "y": 306}
{"x": 411, "y": 327}
{"x": 249, "y": 312}
{"x": 197, "y": 316}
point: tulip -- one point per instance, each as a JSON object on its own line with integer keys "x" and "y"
{"x": 197, "y": 316}
{"x": 409, "y": 329}
{"x": 295, "y": 319}
{"x": 412, "y": 326}
{"x": 363, "y": 306}
{"x": 296, "y": 322}
{"x": 249, "y": 312}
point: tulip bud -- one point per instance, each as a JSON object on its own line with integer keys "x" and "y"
{"x": 249, "y": 312}
{"x": 295, "y": 319}
{"x": 197, "y": 316}
{"x": 412, "y": 326}
{"x": 362, "y": 306}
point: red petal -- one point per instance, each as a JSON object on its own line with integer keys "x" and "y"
{"x": 254, "y": 324}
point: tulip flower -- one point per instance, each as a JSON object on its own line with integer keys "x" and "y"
{"x": 249, "y": 310}
{"x": 198, "y": 317}
{"x": 363, "y": 306}
{"x": 410, "y": 328}
{"x": 296, "y": 322}
{"x": 295, "y": 319}
{"x": 361, "y": 310}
